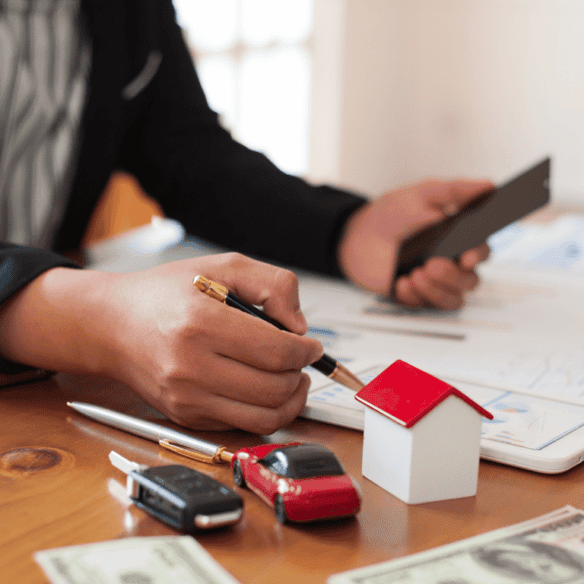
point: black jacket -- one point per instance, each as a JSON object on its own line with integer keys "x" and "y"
{"x": 146, "y": 114}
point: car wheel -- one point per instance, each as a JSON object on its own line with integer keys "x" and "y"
{"x": 238, "y": 474}
{"x": 280, "y": 510}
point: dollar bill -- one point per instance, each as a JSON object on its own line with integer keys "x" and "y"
{"x": 545, "y": 550}
{"x": 134, "y": 560}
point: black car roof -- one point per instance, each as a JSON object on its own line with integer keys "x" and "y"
{"x": 303, "y": 461}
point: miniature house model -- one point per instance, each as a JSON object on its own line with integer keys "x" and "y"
{"x": 422, "y": 436}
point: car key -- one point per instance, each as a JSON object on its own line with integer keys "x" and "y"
{"x": 179, "y": 496}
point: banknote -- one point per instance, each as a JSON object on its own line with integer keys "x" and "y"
{"x": 134, "y": 560}
{"x": 545, "y": 550}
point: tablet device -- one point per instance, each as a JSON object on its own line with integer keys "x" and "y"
{"x": 560, "y": 456}
{"x": 474, "y": 223}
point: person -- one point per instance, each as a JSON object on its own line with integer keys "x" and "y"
{"x": 92, "y": 86}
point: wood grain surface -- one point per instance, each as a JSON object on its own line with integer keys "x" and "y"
{"x": 58, "y": 488}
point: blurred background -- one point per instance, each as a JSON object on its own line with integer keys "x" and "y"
{"x": 370, "y": 94}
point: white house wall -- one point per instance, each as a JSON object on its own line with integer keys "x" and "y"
{"x": 387, "y": 453}
{"x": 436, "y": 459}
{"x": 445, "y": 453}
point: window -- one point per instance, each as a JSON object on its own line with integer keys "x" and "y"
{"x": 254, "y": 61}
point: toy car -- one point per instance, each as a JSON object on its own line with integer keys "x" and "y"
{"x": 302, "y": 482}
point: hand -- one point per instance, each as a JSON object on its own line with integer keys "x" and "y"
{"x": 370, "y": 245}
{"x": 200, "y": 362}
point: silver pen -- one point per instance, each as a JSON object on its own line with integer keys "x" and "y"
{"x": 173, "y": 440}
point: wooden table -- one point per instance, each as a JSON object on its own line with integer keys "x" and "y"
{"x": 55, "y": 483}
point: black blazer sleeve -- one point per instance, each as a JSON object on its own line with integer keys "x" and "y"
{"x": 217, "y": 188}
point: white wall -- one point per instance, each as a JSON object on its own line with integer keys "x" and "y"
{"x": 480, "y": 88}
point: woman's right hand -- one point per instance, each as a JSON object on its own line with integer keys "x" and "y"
{"x": 203, "y": 364}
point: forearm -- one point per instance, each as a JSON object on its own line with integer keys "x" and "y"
{"x": 59, "y": 322}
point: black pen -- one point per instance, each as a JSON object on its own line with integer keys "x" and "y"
{"x": 325, "y": 365}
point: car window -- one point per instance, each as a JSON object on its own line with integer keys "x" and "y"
{"x": 276, "y": 461}
{"x": 321, "y": 467}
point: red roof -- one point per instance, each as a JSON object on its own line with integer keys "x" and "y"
{"x": 406, "y": 394}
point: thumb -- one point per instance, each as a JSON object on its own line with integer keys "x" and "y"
{"x": 449, "y": 197}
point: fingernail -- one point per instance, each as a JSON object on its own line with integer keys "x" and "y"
{"x": 300, "y": 318}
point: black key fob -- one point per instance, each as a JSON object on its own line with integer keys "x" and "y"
{"x": 181, "y": 497}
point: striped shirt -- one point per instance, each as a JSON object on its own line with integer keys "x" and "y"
{"x": 44, "y": 64}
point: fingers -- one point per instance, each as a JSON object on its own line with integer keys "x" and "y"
{"x": 267, "y": 380}
{"x": 276, "y": 289}
{"x": 440, "y": 282}
{"x": 471, "y": 258}
{"x": 406, "y": 292}
{"x": 210, "y": 412}
{"x": 232, "y": 354}
{"x": 243, "y": 338}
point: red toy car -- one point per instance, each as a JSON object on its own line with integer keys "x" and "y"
{"x": 302, "y": 482}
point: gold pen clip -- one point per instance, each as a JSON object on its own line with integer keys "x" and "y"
{"x": 221, "y": 454}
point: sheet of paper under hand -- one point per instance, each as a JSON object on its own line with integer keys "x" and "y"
{"x": 156, "y": 560}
